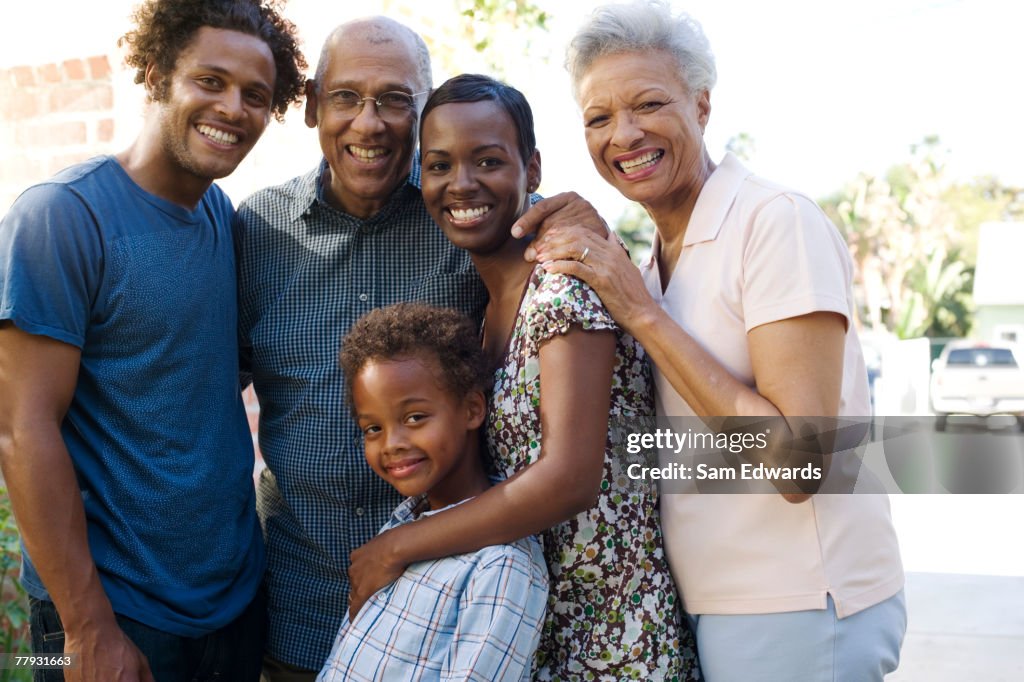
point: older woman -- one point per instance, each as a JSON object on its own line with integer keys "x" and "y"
{"x": 746, "y": 308}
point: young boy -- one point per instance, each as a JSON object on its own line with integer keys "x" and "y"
{"x": 416, "y": 377}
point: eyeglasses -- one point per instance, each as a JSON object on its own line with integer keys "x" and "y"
{"x": 393, "y": 106}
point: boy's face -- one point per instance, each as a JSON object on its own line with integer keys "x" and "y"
{"x": 416, "y": 431}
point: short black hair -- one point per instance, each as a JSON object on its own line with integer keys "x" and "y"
{"x": 415, "y": 330}
{"x": 163, "y": 28}
{"x": 472, "y": 87}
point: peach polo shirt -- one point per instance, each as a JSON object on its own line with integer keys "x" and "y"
{"x": 755, "y": 253}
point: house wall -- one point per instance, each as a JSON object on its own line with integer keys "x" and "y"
{"x": 994, "y": 322}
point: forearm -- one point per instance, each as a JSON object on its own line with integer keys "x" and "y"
{"x": 715, "y": 396}
{"x": 47, "y": 505}
{"x": 540, "y": 496}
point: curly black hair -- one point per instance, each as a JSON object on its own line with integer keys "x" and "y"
{"x": 165, "y": 27}
{"x": 408, "y": 330}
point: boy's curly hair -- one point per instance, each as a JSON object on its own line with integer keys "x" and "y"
{"x": 165, "y": 27}
{"x": 416, "y": 330}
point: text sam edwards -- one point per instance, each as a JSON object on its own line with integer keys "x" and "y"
{"x": 706, "y": 472}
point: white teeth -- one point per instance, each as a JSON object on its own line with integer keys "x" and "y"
{"x": 462, "y": 214}
{"x": 366, "y": 153}
{"x": 641, "y": 162}
{"x": 217, "y": 135}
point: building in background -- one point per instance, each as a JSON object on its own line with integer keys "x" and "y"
{"x": 999, "y": 283}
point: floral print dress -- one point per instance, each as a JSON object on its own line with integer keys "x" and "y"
{"x": 613, "y": 612}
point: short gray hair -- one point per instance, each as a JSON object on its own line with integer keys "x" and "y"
{"x": 642, "y": 26}
{"x": 378, "y": 30}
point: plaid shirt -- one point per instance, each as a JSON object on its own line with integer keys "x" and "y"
{"x": 465, "y": 617}
{"x": 307, "y": 272}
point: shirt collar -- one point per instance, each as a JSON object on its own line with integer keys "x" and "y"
{"x": 306, "y": 192}
{"x": 310, "y": 192}
{"x": 406, "y": 511}
{"x": 713, "y": 203}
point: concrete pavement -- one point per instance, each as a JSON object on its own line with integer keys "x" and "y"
{"x": 963, "y": 628}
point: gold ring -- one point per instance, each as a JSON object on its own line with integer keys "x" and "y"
{"x": 586, "y": 252}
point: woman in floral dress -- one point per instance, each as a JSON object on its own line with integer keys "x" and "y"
{"x": 613, "y": 611}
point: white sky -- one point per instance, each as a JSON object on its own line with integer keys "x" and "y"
{"x": 826, "y": 89}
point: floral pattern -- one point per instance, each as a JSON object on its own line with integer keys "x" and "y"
{"x": 613, "y": 612}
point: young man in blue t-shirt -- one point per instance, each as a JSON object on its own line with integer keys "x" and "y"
{"x": 123, "y": 438}
{"x": 417, "y": 377}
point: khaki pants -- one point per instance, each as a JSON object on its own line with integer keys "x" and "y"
{"x": 276, "y": 671}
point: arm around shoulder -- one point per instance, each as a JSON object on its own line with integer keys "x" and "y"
{"x": 575, "y": 376}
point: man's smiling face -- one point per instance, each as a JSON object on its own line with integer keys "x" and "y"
{"x": 216, "y": 103}
{"x": 368, "y": 156}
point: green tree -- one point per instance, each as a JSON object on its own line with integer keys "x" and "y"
{"x": 743, "y": 145}
{"x": 14, "y": 635}
{"x": 913, "y": 237}
{"x": 507, "y": 39}
{"x": 636, "y": 229}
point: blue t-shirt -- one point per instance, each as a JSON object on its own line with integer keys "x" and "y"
{"x": 156, "y": 429}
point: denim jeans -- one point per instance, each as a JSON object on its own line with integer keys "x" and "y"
{"x": 232, "y": 654}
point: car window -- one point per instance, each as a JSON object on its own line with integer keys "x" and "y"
{"x": 981, "y": 357}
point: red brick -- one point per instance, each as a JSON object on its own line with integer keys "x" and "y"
{"x": 51, "y": 135}
{"x": 18, "y": 105}
{"x": 105, "y": 130}
{"x": 74, "y": 70}
{"x": 252, "y": 403}
{"x": 81, "y": 98}
{"x": 49, "y": 73}
{"x": 20, "y": 170}
{"x": 99, "y": 67}
{"x": 59, "y": 163}
{"x": 23, "y": 76}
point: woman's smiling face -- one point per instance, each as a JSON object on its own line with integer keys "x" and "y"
{"x": 475, "y": 183}
{"x": 644, "y": 128}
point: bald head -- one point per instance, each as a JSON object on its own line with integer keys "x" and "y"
{"x": 377, "y": 31}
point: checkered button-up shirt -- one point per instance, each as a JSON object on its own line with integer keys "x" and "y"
{"x": 466, "y": 617}
{"x": 307, "y": 272}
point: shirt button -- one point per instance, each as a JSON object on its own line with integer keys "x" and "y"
{"x": 364, "y": 298}
{"x": 360, "y": 511}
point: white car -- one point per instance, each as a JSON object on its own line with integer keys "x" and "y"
{"x": 979, "y": 379}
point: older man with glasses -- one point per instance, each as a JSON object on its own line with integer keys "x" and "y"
{"x": 317, "y": 253}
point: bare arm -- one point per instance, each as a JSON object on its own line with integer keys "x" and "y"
{"x": 575, "y": 378}
{"x": 797, "y": 362}
{"x": 47, "y": 503}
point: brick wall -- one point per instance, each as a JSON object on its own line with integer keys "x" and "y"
{"x": 252, "y": 410}
{"x": 53, "y": 115}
